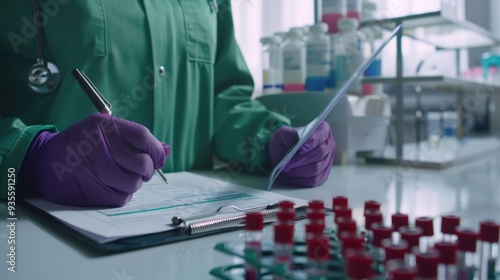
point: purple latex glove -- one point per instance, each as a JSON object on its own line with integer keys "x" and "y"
{"x": 99, "y": 161}
{"x": 310, "y": 166}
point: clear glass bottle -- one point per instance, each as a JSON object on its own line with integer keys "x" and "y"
{"x": 294, "y": 62}
{"x": 434, "y": 130}
{"x": 272, "y": 69}
{"x": 449, "y": 142}
{"x": 318, "y": 49}
{"x": 348, "y": 53}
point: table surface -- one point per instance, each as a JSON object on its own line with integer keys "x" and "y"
{"x": 470, "y": 190}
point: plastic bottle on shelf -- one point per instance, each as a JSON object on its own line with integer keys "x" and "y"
{"x": 318, "y": 50}
{"x": 272, "y": 72}
{"x": 294, "y": 62}
{"x": 373, "y": 36}
{"x": 449, "y": 142}
{"x": 333, "y": 11}
{"x": 434, "y": 130}
{"x": 354, "y": 9}
{"x": 348, "y": 53}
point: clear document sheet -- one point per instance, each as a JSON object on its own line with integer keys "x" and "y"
{"x": 153, "y": 206}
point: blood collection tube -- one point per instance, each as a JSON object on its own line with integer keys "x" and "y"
{"x": 372, "y": 205}
{"x": 398, "y": 270}
{"x": 371, "y": 216}
{"x": 447, "y": 259}
{"x": 340, "y": 201}
{"x": 316, "y": 211}
{"x": 351, "y": 240}
{"x": 345, "y": 224}
{"x": 341, "y": 211}
{"x": 283, "y": 247}
{"x": 254, "y": 223}
{"x": 427, "y": 263}
{"x": 318, "y": 256}
{"x": 467, "y": 241}
{"x": 427, "y": 226}
{"x": 286, "y": 205}
{"x": 359, "y": 264}
{"x": 398, "y": 220}
{"x": 395, "y": 251}
{"x": 448, "y": 225}
{"x": 380, "y": 232}
{"x": 488, "y": 234}
{"x": 412, "y": 236}
{"x": 286, "y": 217}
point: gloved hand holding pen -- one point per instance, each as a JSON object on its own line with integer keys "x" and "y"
{"x": 99, "y": 161}
{"x": 310, "y": 166}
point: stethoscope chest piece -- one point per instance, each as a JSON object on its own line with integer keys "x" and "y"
{"x": 43, "y": 77}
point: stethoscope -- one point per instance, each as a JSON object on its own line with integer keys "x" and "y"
{"x": 43, "y": 76}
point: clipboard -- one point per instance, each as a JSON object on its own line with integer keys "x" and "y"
{"x": 306, "y": 131}
{"x": 135, "y": 242}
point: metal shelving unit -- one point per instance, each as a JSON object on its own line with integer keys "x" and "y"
{"x": 436, "y": 28}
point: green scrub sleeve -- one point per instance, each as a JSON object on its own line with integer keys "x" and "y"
{"x": 243, "y": 127}
{"x": 15, "y": 140}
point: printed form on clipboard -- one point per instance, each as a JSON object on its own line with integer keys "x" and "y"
{"x": 153, "y": 206}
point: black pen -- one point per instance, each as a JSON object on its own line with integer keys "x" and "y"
{"x": 101, "y": 104}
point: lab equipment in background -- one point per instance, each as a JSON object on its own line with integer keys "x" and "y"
{"x": 433, "y": 129}
{"x": 272, "y": 59}
{"x": 333, "y": 11}
{"x": 488, "y": 60}
{"x": 318, "y": 49}
{"x": 373, "y": 36}
{"x": 294, "y": 62}
{"x": 348, "y": 54}
{"x": 354, "y": 9}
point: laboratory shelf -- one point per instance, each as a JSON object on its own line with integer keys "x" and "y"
{"x": 440, "y": 28}
{"x": 437, "y": 82}
{"x": 422, "y": 156}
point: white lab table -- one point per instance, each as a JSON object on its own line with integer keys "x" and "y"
{"x": 470, "y": 190}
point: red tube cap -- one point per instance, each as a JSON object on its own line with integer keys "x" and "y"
{"x": 427, "y": 263}
{"x": 351, "y": 240}
{"x": 254, "y": 221}
{"x": 372, "y": 205}
{"x": 447, "y": 252}
{"x": 426, "y": 224}
{"x": 395, "y": 251}
{"x": 449, "y": 224}
{"x": 286, "y": 216}
{"x": 316, "y": 205}
{"x": 286, "y": 205}
{"x": 399, "y": 220}
{"x": 489, "y": 231}
{"x": 411, "y": 235}
{"x": 345, "y": 224}
{"x": 315, "y": 229}
{"x": 283, "y": 233}
{"x": 467, "y": 239}
{"x": 404, "y": 273}
{"x": 316, "y": 217}
{"x": 318, "y": 248}
{"x": 372, "y": 216}
{"x": 380, "y": 232}
{"x": 342, "y": 211}
{"x": 359, "y": 264}
{"x": 340, "y": 201}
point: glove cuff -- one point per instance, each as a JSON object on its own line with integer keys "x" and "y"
{"x": 28, "y": 178}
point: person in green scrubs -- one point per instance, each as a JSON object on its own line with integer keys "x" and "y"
{"x": 173, "y": 67}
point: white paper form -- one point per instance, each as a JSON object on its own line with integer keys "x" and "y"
{"x": 153, "y": 206}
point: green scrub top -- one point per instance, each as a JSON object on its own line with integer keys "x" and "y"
{"x": 170, "y": 65}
